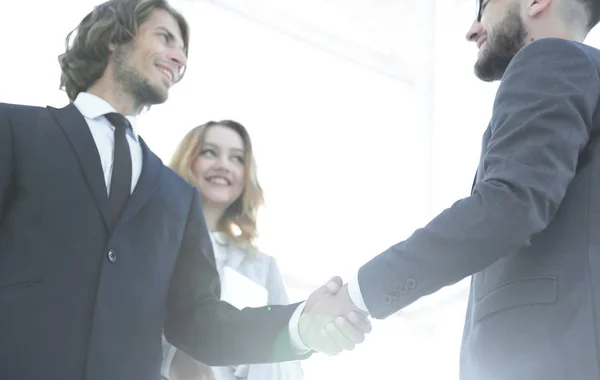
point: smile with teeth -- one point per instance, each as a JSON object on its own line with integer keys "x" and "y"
{"x": 167, "y": 73}
{"x": 218, "y": 181}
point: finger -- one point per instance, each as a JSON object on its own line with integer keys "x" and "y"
{"x": 359, "y": 321}
{"x": 334, "y": 285}
{"x": 331, "y": 287}
{"x": 330, "y": 347}
{"x": 338, "y": 337}
{"x": 350, "y": 331}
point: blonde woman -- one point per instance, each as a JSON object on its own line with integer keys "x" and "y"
{"x": 217, "y": 159}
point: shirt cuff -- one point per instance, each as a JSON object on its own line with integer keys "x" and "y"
{"x": 168, "y": 355}
{"x": 356, "y": 295}
{"x": 297, "y": 344}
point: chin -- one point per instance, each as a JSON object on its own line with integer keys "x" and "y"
{"x": 221, "y": 202}
{"x": 161, "y": 95}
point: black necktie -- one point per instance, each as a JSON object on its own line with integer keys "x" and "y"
{"x": 120, "y": 185}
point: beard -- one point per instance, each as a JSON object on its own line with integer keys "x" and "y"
{"x": 503, "y": 43}
{"x": 131, "y": 81}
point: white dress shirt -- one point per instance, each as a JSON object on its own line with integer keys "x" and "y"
{"x": 356, "y": 295}
{"x": 93, "y": 108}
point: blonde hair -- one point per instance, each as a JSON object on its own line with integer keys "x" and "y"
{"x": 241, "y": 214}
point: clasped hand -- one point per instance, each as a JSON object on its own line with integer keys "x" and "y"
{"x": 330, "y": 322}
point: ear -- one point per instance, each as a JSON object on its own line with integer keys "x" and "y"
{"x": 536, "y": 7}
{"x": 112, "y": 47}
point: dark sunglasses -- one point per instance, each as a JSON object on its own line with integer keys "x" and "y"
{"x": 480, "y": 4}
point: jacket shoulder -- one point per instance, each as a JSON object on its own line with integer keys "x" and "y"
{"x": 20, "y": 108}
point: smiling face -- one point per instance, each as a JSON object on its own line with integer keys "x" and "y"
{"x": 219, "y": 169}
{"x": 499, "y": 35}
{"x": 152, "y": 62}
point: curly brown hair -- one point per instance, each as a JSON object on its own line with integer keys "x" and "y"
{"x": 87, "y": 46}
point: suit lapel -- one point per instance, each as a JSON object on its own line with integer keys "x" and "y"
{"x": 233, "y": 255}
{"x": 152, "y": 170}
{"x": 75, "y": 127}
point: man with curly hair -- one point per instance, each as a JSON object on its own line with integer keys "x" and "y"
{"x": 102, "y": 247}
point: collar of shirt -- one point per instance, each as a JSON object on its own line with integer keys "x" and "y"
{"x": 219, "y": 237}
{"x": 94, "y": 107}
{"x": 220, "y": 243}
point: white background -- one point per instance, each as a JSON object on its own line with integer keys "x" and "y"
{"x": 354, "y": 151}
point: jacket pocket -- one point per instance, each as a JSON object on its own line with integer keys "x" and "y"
{"x": 14, "y": 318}
{"x": 521, "y": 292}
{"x": 21, "y": 284}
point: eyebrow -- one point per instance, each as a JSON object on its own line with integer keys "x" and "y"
{"x": 209, "y": 144}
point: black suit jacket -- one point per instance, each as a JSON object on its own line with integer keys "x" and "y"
{"x": 82, "y": 299}
{"x": 529, "y": 233}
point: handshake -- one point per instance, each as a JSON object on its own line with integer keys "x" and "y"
{"x": 330, "y": 322}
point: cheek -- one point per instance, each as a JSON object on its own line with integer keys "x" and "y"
{"x": 240, "y": 180}
{"x": 199, "y": 167}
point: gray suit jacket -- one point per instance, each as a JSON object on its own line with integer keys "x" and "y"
{"x": 529, "y": 232}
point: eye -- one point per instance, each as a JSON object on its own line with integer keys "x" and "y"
{"x": 483, "y": 5}
{"x": 166, "y": 37}
{"x": 208, "y": 152}
{"x": 238, "y": 159}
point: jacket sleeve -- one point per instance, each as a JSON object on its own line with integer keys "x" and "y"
{"x": 541, "y": 122}
{"x": 6, "y": 160}
{"x": 210, "y": 330}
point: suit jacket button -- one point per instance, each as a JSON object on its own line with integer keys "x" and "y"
{"x": 387, "y": 299}
{"x": 411, "y": 283}
{"x": 395, "y": 294}
{"x": 403, "y": 289}
{"x": 112, "y": 256}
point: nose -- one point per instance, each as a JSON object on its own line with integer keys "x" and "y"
{"x": 178, "y": 58}
{"x": 474, "y": 31}
{"x": 223, "y": 163}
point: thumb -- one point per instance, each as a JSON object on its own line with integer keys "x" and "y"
{"x": 331, "y": 287}
{"x": 334, "y": 285}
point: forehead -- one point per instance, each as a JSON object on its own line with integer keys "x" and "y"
{"x": 224, "y": 137}
{"x": 162, "y": 19}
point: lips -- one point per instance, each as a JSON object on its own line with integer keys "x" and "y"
{"x": 481, "y": 41}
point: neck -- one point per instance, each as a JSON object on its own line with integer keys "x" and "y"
{"x": 118, "y": 99}
{"x": 557, "y": 30}
{"x": 212, "y": 216}
{"x": 565, "y": 36}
